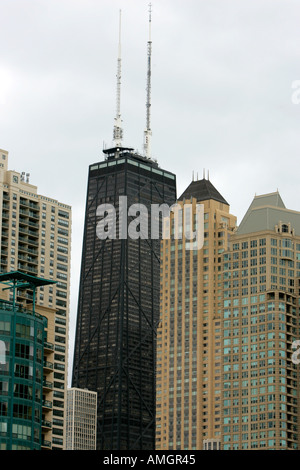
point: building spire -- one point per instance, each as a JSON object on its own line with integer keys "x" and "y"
{"x": 118, "y": 131}
{"x": 148, "y": 132}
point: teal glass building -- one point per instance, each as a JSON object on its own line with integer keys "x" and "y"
{"x": 22, "y": 341}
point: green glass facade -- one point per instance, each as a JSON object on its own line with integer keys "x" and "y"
{"x": 22, "y": 337}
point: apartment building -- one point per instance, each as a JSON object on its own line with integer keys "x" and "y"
{"x": 26, "y": 367}
{"x": 36, "y": 239}
{"x": 188, "y": 400}
{"x": 81, "y": 419}
{"x": 260, "y": 321}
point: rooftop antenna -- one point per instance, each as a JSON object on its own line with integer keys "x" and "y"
{"x": 148, "y": 132}
{"x": 118, "y": 131}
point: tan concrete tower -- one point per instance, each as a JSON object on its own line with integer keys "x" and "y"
{"x": 260, "y": 381}
{"x": 188, "y": 405}
{"x": 36, "y": 239}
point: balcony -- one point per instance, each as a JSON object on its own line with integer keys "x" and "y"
{"x": 26, "y": 203}
{"x": 26, "y": 249}
{"x": 25, "y": 295}
{"x": 31, "y": 269}
{"x": 46, "y": 444}
{"x": 47, "y": 404}
{"x": 27, "y": 241}
{"x": 28, "y": 231}
{"x": 34, "y": 215}
{"x": 48, "y": 366}
{"x": 48, "y": 347}
{"x": 28, "y": 259}
{"x": 287, "y": 254}
{"x": 47, "y": 385}
{"x": 46, "y": 424}
{"x": 23, "y": 212}
{"x": 34, "y": 224}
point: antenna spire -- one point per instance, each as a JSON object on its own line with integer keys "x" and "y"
{"x": 148, "y": 132}
{"x": 118, "y": 131}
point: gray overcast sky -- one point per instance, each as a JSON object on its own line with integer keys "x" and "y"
{"x": 222, "y": 75}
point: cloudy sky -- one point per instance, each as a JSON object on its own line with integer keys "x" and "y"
{"x": 223, "y": 73}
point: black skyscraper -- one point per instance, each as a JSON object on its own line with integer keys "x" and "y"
{"x": 118, "y": 305}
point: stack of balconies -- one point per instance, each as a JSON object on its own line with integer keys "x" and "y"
{"x": 47, "y": 397}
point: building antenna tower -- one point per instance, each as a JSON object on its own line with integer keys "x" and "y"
{"x": 118, "y": 131}
{"x": 148, "y": 132}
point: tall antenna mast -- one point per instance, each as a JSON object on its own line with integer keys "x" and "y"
{"x": 148, "y": 132}
{"x": 118, "y": 131}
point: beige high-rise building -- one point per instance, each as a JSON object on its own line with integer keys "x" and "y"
{"x": 261, "y": 272}
{"x": 36, "y": 239}
{"x": 227, "y": 358}
{"x": 189, "y": 341}
{"x": 81, "y": 420}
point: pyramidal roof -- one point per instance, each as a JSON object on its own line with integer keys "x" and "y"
{"x": 265, "y": 212}
{"x": 202, "y": 190}
{"x": 271, "y": 199}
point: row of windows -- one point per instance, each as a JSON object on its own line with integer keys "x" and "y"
{"x": 285, "y": 242}
{"x": 60, "y": 231}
